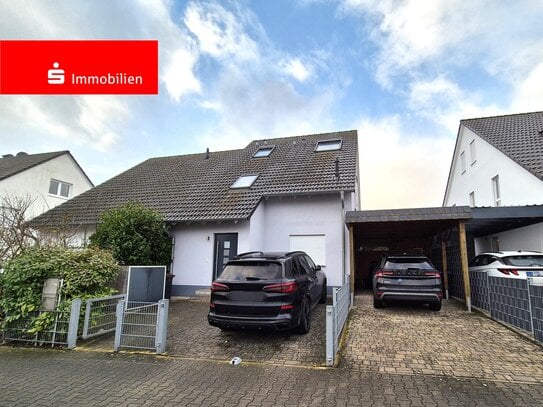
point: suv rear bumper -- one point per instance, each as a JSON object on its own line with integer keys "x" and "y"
{"x": 277, "y": 323}
{"x": 408, "y": 296}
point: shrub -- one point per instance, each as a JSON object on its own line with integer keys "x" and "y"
{"x": 86, "y": 273}
{"x": 135, "y": 235}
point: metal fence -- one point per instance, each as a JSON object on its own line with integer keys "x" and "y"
{"x": 100, "y": 315}
{"x": 61, "y": 328}
{"x": 336, "y": 316}
{"x": 142, "y": 325}
{"x": 516, "y": 302}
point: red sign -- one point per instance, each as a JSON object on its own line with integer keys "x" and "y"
{"x": 79, "y": 67}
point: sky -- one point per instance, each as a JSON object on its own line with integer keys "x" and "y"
{"x": 401, "y": 72}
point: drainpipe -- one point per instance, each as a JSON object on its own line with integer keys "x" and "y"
{"x": 343, "y": 276}
{"x": 166, "y": 230}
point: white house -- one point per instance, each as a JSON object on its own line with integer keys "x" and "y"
{"x": 273, "y": 195}
{"x": 498, "y": 161}
{"x": 47, "y": 179}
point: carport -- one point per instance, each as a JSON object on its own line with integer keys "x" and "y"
{"x": 424, "y": 231}
{"x": 444, "y": 234}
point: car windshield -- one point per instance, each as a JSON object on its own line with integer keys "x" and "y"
{"x": 251, "y": 271}
{"x": 523, "y": 260}
{"x": 407, "y": 263}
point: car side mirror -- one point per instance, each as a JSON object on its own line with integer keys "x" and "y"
{"x": 317, "y": 267}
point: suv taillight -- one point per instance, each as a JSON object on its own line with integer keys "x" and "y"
{"x": 435, "y": 274}
{"x": 219, "y": 287}
{"x": 508, "y": 271}
{"x": 381, "y": 273}
{"x": 284, "y": 288}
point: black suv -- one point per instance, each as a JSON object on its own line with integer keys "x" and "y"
{"x": 267, "y": 290}
{"x": 407, "y": 278}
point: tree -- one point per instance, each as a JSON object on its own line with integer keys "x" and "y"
{"x": 135, "y": 235}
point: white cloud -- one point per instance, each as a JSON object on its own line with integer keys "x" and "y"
{"x": 178, "y": 74}
{"x": 528, "y": 96}
{"x": 398, "y": 172}
{"x": 296, "y": 68}
{"x": 220, "y": 33}
{"x": 445, "y": 33}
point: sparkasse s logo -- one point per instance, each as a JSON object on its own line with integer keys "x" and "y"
{"x": 55, "y": 76}
{"x": 79, "y": 67}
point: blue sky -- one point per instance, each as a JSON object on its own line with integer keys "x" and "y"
{"x": 401, "y": 72}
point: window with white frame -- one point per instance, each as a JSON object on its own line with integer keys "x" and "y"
{"x": 472, "y": 152}
{"x": 328, "y": 145}
{"x": 263, "y": 151}
{"x": 313, "y": 245}
{"x": 245, "y": 181}
{"x": 463, "y": 161}
{"x": 472, "y": 199}
{"x": 496, "y": 189}
{"x": 59, "y": 188}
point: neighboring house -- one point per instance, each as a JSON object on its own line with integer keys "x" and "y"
{"x": 47, "y": 179}
{"x": 276, "y": 194}
{"x": 498, "y": 161}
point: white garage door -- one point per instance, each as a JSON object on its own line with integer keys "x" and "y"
{"x": 314, "y": 245}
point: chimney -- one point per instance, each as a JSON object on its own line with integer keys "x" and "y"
{"x": 207, "y": 153}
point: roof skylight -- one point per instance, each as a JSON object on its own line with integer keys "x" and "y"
{"x": 263, "y": 151}
{"x": 244, "y": 181}
{"x": 328, "y": 145}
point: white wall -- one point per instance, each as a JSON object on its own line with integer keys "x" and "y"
{"x": 320, "y": 214}
{"x": 35, "y": 182}
{"x": 518, "y": 186}
{"x": 193, "y": 252}
{"x": 525, "y": 238}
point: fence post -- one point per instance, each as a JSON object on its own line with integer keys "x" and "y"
{"x": 119, "y": 326}
{"x": 162, "y": 326}
{"x": 87, "y": 319}
{"x": 529, "y": 282}
{"x": 330, "y": 340}
{"x": 74, "y": 323}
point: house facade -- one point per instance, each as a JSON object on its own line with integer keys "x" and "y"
{"x": 273, "y": 195}
{"x": 46, "y": 179}
{"x": 498, "y": 162}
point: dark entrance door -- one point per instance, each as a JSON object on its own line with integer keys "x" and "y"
{"x": 226, "y": 248}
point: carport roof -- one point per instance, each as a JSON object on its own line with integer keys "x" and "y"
{"x": 489, "y": 220}
{"x": 404, "y": 223}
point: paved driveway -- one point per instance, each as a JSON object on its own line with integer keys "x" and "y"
{"x": 189, "y": 335}
{"x": 414, "y": 340}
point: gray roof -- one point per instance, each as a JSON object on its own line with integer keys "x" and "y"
{"x": 518, "y": 136}
{"x": 188, "y": 188}
{"x": 11, "y": 165}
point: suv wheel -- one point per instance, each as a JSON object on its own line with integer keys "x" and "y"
{"x": 435, "y": 306}
{"x": 378, "y": 303}
{"x": 323, "y": 294}
{"x": 305, "y": 318}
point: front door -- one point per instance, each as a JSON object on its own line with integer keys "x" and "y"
{"x": 226, "y": 248}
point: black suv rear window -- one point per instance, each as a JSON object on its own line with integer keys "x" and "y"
{"x": 407, "y": 263}
{"x": 523, "y": 261}
{"x": 252, "y": 271}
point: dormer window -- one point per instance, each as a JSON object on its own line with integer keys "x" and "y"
{"x": 263, "y": 151}
{"x": 328, "y": 145}
{"x": 245, "y": 181}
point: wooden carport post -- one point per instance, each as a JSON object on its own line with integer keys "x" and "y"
{"x": 444, "y": 262}
{"x": 464, "y": 262}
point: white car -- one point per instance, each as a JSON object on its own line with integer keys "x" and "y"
{"x": 509, "y": 264}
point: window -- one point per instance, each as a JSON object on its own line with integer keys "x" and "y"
{"x": 463, "y": 161}
{"x": 496, "y": 188}
{"x": 59, "y": 188}
{"x": 263, "y": 151}
{"x": 328, "y": 145}
{"x": 245, "y": 181}
{"x": 472, "y": 199}
{"x": 472, "y": 152}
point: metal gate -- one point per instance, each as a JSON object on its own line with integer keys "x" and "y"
{"x": 142, "y": 325}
